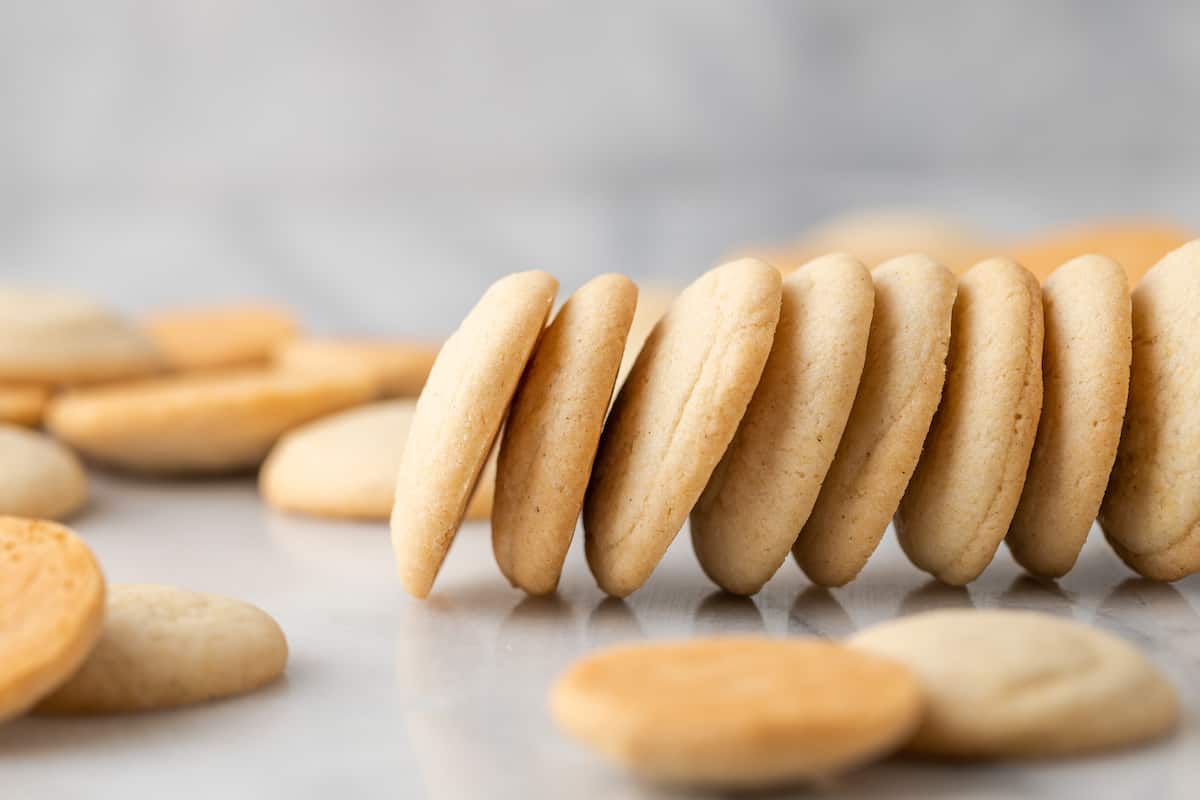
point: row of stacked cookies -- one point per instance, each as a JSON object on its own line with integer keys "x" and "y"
{"x": 804, "y": 413}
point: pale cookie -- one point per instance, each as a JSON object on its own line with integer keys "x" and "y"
{"x": 765, "y": 485}
{"x": 1085, "y": 374}
{"x": 458, "y": 416}
{"x": 965, "y": 489}
{"x": 399, "y": 367}
{"x": 205, "y": 422}
{"x": 344, "y": 465}
{"x": 673, "y": 418}
{"x": 1151, "y": 511}
{"x": 220, "y": 336}
{"x": 899, "y": 393}
{"x": 58, "y": 339}
{"x": 737, "y": 713}
{"x": 552, "y": 432}
{"x": 23, "y": 404}
{"x": 51, "y": 609}
{"x": 1021, "y": 684}
{"x": 163, "y": 647}
{"x": 39, "y": 478}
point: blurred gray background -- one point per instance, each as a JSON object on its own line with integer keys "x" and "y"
{"x": 376, "y": 164}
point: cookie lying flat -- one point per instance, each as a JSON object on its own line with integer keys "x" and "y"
{"x": 1023, "y": 684}
{"x": 51, "y": 609}
{"x": 899, "y": 393}
{"x": 399, "y": 367}
{"x": 763, "y": 489}
{"x": 58, "y": 339}
{"x": 163, "y": 647}
{"x": 737, "y": 713}
{"x": 344, "y": 465}
{"x": 220, "y": 336}
{"x": 1135, "y": 244}
{"x": 673, "y": 418}
{"x": 39, "y": 478}
{"x": 1151, "y": 511}
{"x": 552, "y": 431}
{"x": 458, "y": 416}
{"x": 965, "y": 489}
{"x": 1085, "y": 374}
{"x": 23, "y": 404}
{"x": 201, "y": 423}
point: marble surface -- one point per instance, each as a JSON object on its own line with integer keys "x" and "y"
{"x": 388, "y": 696}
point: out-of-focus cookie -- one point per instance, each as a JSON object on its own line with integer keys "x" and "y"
{"x": 344, "y": 465}
{"x": 23, "y": 404}
{"x": 201, "y": 423}
{"x": 39, "y": 478}
{"x": 59, "y": 339}
{"x": 652, "y": 302}
{"x": 737, "y": 713}
{"x": 1085, "y": 377}
{"x": 1021, "y": 684}
{"x": 51, "y": 609}
{"x": 897, "y": 397}
{"x": 458, "y": 417}
{"x": 966, "y": 486}
{"x": 673, "y": 418}
{"x": 220, "y": 336}
{"x": 765, "y": 485}
{"x": 399, "y": 367}
{"x": 1136, "y": 245}
{"x": 1151, "y": 510}
{"x": 163, "y": 647}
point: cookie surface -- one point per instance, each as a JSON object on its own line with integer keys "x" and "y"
{"x": 220, "y": 336}
{"x": 51, "y": 609}
{"x": 765, "y": 485}
{"x": 399, "y": 367}
{"x": 901, "y": 385}
{"x": 673, "y": 418}
{"x": 737, "y": 713}
{"x": 59, "y": 339}
{"x": 1151, "y": 510}
{"x": 553, "y": 429}
{"x": 204, "y": 422}
{"x": 1023, "y": 684}
{"x": 1085, "y": 377}
{"x": 163, "y": 647}
{"x": 458, "y": 416}
{"x": 964, "y": 491}
{"x": 344, "y": 465}
{"x": 23, "y": 404}
{"x": 39, "y": 478}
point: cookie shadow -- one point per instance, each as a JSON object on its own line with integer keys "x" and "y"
{"x": 816, "y": 612}
{"x": 933, "y": 595}
{"x": 723, "y": 613}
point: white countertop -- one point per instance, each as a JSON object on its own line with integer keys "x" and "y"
{"x": 389, "y": 696}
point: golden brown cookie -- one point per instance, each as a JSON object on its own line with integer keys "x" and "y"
{"x": 1135, "y": 244}
{"x": 763, "y": 489}
{"x": 673, "y": 418}
{"x": 458, "y": 416}
{"x": 1085, "y": 376}
{"x": 899, "y": 393}
{"x": 550, "y": 438}
{"x": 220, "y": 336}
{"x": 51, "y": 609}
{"x": 965, "y": 489}
{"x": 737, "y": 713}
{"x": 39, "y": 477}
{"x": 400, "y": 367}
{"x": 1151, "y": 510}
{"x": 23, "y": 404}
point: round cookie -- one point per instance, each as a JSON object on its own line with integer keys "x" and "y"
{"x": 220, "y": 336}
{"x": 399, "y": 367}
{"x": 965, "y": 489}
{"x": 201, "y": 423}
{"x": 163, "y": 647}
{"x": 765, "y": 485}
{"x": 51, "y": 609}
{"x": 1151, "y": 510}
{"x": 899, "y": 393}
{"x": 673, "y": 418}
{"x": 553, "y": 429}
{"x": 458, "y": 416}
{"x": 58, "y": 339}
{"x": 1021, "y": 684}
{"x": 23, "y": 404}
{"x": 344, "y": 465}
{"x": 1085, "y": 377}
{"x": 737, "y": 713}
{"x": 39, "y": 478}
{"x": 1135, "y": 244}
